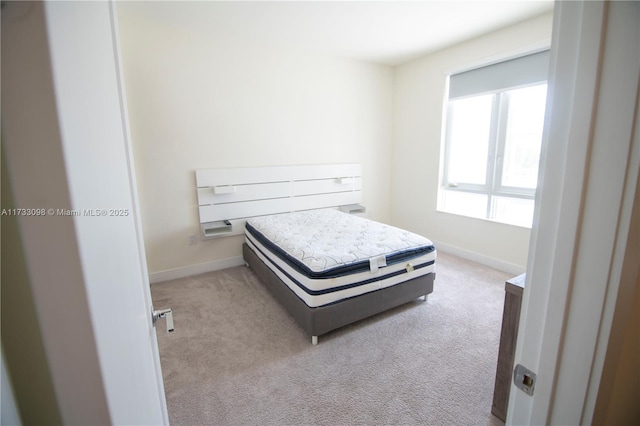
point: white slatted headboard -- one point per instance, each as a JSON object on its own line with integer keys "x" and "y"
{"x": 227, "y": 197}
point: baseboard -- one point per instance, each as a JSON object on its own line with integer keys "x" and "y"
{"x": 201, "y": 268}
{"x": 480, "y": 258}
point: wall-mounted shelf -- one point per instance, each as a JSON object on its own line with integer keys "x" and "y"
{"x": 219, "y": 228}
{"x": 353, "y": 208}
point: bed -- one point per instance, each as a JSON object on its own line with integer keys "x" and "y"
{"x": 314, "y": 202}
{"x": 330, "y": 269}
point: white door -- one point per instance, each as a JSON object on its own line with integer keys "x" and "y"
{"x": 591, "y": 158}
{"x": 66, "y": 141}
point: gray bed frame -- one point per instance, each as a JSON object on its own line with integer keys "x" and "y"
{"x": 323, "y": 319}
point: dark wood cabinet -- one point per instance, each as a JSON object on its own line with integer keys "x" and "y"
{"x": 506, "y": 352}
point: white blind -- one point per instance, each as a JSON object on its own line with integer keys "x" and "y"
{"x": 529, "y": 69}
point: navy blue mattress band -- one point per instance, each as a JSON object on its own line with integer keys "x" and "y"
{"x": 273, "y": 265}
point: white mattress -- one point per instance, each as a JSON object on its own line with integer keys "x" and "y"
{"x": 325, "y": 256}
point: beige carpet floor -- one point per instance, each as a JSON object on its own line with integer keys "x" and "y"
{"x": 237, "y": 358}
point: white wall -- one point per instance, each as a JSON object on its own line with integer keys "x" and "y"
{"x": 419, "y": 99}
{"x": 206, "y": 100}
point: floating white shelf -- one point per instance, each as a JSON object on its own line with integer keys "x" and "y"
{"x": 216, "y": 229}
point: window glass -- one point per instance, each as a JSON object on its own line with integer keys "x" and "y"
{"x": 470, "y": 126}
{"x": 523, "y": 137}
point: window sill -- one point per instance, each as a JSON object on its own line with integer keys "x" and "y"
{"x": 483, "y": 219}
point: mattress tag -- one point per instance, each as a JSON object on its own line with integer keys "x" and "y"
{"x": 377, "y": 262}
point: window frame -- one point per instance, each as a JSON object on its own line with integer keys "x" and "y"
{"x": 493, "y": 186}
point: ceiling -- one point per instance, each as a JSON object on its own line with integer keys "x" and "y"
{"x": 384, "y": 32}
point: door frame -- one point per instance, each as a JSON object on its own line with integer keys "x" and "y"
{"x": 67, "y": 147}
{"x": 588, "y": 178}
{"x": 115, "y": 33}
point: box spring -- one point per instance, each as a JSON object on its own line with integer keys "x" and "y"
{"x": 323, "y": 319}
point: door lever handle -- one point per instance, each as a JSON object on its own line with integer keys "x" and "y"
{"x": 167, "y": 314}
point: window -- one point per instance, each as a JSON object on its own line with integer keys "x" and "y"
{"x": 492, "y": 143}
